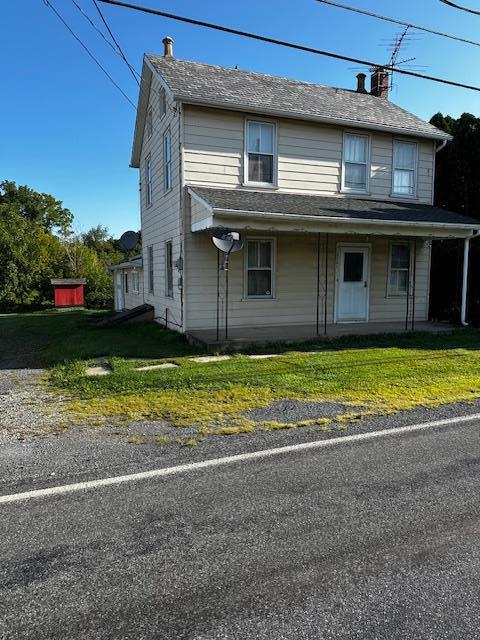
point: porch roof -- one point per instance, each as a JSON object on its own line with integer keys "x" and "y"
{"x": 341, "y": 211}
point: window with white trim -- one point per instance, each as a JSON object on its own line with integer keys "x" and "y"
{"x": 167, "y": 160}
{"x": 404, "y": 168}
{"x": 259, "y": 269}
{"x": 125, "y": 279}
{"x": 260, "y": 152}
{"x": 356, "y": 166}
{"x": 149, "y": 122}
{"x": 148, "y": 181}
{"x": 168, "y": 269}
{"x": 399, "y": 268}
{"x": 150, "y": 268}
{"x": 162, "y": 102}
{"x": 135, "y": 282}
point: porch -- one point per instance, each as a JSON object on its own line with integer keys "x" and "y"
{"x": 241, "y": 337}
{"x": 310, "y": 267}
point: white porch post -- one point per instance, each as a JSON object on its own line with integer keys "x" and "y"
{"x": 463, "y": 313}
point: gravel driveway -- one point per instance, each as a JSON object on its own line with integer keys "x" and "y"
{"x": 27, "y": 408}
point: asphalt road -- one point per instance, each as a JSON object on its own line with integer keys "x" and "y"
{"x": 373, "y": 540}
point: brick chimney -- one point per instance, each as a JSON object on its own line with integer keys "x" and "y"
{"x": 167, "y": 47}
{"x": 361, "y": 83}
{"x": 379, "y": 83}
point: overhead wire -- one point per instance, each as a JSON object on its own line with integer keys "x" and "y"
{"x": 378, "y": 16}
{"x": 49, "y": 4}
{"x": 120, "y": 50}
{"x": 461, "y": 7}
{"x": 285, "y": 43}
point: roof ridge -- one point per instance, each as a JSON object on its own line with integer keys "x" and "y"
{"x": 258, "y": 73}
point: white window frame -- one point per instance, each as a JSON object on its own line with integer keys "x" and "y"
{"x": 368, "y": 163}
{"x": 135, "y": 281}
{"x": 150, "y": 270}
{"x": 415, "y": 169}
{"x": 274, "y": 183}
{"x": 272, "y": 269}
{"x": 390, "y": 292}
{"x": 149, "y": 123}
{"x": 148, "y": 181}
{"x": 167, "y": 165}
{"x": 169, "y": 242}
{"x": 162, "y": 102}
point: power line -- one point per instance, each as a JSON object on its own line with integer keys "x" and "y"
{"x": 67, "y": 26}
{"x": 378, "y": 16}
{"x": 92, "y": 23}
{"x": 458, "y": 6}
{"x": 284, "y": 43}
{"x": 120, "y": 50}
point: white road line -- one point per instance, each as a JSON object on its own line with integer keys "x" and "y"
{"x": 217, "y": 462}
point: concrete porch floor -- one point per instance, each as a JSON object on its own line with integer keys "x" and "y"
{"x": 239, "y": 337}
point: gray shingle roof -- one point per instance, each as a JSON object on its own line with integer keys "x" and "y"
{"x": 260, "y": 93}
{"x": 322, "y": 206}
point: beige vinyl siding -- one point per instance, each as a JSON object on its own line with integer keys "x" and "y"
{"x": 295, "y": 282}
{"x": 309, "y": 155}
{"x": 161, "y": 220}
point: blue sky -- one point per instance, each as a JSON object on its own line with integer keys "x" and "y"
{"x": 67, "y": 131}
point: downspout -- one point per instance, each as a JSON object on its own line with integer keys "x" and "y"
{"x": 466, "y": 253}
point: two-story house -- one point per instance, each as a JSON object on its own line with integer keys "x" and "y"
{"x": 330, "y": 190}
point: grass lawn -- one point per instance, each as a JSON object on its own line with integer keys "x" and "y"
{"x": 369, "y": 374}
{"x": 50, "y": 337}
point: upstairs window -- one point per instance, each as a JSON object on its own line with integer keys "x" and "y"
{"x": 260, "y": 152}
{"x": 167, "y": 160}
{"x": 149, "y": 123}
{"x": 259, "y": 269}
{"x": 399, "y": 268}
{"x": 356, "y": 168}
{"x": 404, "y": 168}
{"x": 148, "y": 181}
{"x": 168, "y": 269}
{"x": 162, "y": 102}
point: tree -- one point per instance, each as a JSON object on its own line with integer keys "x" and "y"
{"x": 37, "y": 243}
{"x": 457, "y": 188}
{"x": 457, "y": 178}
{"x": 41, "y": 209}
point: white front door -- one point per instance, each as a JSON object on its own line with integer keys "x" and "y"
{"x": 352, "y": 284}
{"x": 119, "y": 304}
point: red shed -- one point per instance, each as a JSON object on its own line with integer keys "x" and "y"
{"x": 69, "y": 292}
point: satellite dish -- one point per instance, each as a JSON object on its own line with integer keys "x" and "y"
{"x": 227, "y": 241}
{"x": 129, "y": 240}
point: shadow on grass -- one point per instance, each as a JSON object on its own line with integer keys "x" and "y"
{"x": 47, "y": 338}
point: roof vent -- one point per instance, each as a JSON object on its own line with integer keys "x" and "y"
{"x": 168, "y": 47}
{"x": 361, "y": 83}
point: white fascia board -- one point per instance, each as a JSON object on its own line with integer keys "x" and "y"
{"x": 343, "y": 122}
{"x": 148, "y": 71}
{"x": 202, "y": 225}
{"x": 143, "y": 96}
{"x": 200, "y": 200}
{"x": 343, "y": 221}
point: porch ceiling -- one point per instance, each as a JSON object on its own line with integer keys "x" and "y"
{"x": 278, "y": 211}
